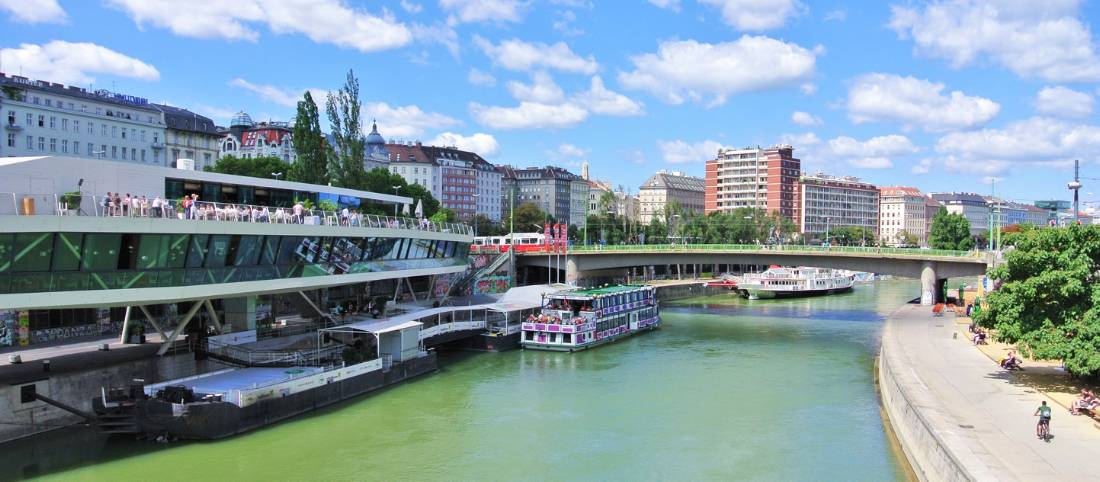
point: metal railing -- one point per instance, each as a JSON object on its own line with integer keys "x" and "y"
{"x": 26, "y": 204}
{"x": 788, "y": 248}
{"x": 271, "y": 357}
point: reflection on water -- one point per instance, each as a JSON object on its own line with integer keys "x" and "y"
{"x": 728, "y": 388}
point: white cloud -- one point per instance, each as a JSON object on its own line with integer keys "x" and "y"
{"x": 515, "y": 54}
{"x": 73, "y": 62}
{"x": 1062, "y": 102}
{"x": 542, "y": 89}
{"x": 482, "y": 78}
{"x": 438, "y": 33}
{"x": 569, "y": 150}
{"x": 322, "y": 21}
{"x": 673, "y": 5}
{"x": 809, "y": 88}
{"x": 1033, "y": 39}
{"x": 471, "y": 11}
{"x": 564, "y": 24}
{"x": 219, "y": 115}
{"x": 680, "y": 152}
{"x": 987, "y": 180}
{"x": 689, "y": 70}
{"x": 806, "y": 139}
{"x": 34, "y": 11}
{"x": 275, "y": 95}
{"x": 600, "y": 100}
{"x": 922, "y": 166}
{"x": 411, "y": 7}
{"x": 1035, "y": 140}
{"x": 805, "y": 119}
{"x": 836, "y": 16}
{"x": 404, "y": 121}
{"x": 484, "y": 145}
{"x": 529, "y": 115}
{"x": 874, "y": 153}
{"x": 756, "y": 15}
{"x": 911, "y": 101}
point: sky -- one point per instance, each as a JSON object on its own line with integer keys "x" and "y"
{"x": 943, "y": 95}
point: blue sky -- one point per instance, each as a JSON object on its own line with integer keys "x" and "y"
{"x": 941, "y": 95}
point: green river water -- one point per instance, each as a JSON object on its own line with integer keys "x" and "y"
{"x": 727, "y": 389}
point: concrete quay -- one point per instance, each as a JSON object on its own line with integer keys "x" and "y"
{"x": 959, "y": 416}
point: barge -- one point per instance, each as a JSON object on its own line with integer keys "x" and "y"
{"x": 580, "y": 319}
{"x": 357, "y": 358}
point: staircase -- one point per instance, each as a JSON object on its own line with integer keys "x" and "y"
{"x": 112, "y": 423}
{"x": 461, "y": 286}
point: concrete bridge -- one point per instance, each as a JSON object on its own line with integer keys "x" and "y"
{"x": 932, "y": 267}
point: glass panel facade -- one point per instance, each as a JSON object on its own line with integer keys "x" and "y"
{"x": 40, "y": 262}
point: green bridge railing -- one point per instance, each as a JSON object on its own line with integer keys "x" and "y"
{"x": 793, "y": 248}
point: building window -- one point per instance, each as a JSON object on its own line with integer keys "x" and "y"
{"x": 91, "y": 128}
{"x": 102, "y": 151}
{"x": 11, "y": 117}
{"x": 114, "y": 132}
{"x": 76, "y": 126}
{"x": 143, "y": 155}
{"x": 123, "y": 133}
{"x": 114, "y": 152}
{"x": 37, "y": 100}
{"x": 11, "y": 139}
{"x": 64, "y": 146}
{"x": 42, "y": 143}
{"x": 143, "y": 136}
{"x": 49, "y": 103}
{"x": 30, "y": 143}
{"x": 30, "y": 120}
{"x": 41, "y": 120}
{"x": 103, "y": 130}
{"x": 91, "y": 149}
{"x": 64, "y": 124}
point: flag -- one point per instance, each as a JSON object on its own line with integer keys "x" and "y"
{"x": 563, "y": 237}
{"x": 547, "y": 239}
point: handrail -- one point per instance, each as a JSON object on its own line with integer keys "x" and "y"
{"x": 29, "y": 204}
{"x": 791, "y": 248}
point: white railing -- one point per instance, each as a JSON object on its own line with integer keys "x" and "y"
{"x": 26, "y": 204}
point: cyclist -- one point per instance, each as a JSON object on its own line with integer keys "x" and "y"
{"x": 1043, "y": 427}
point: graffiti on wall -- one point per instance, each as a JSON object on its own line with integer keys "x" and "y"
{"x": 75, "y": 331}
{"x": 23, "y": 328}
{"x": 7, "y": 327}
{"x": 478, "y": 261}
{"x": 443, "y": 283}
{"x": 492, "y": 284}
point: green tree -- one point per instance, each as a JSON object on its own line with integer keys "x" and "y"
{"x": 486, "y": 227}
{"x": 444, "y": 215}
{"x": 342, "y": 106}
{"x": 905, "y": 238}
{"x": 527, "y": 214}
{"x": 264, "y": 166}
{"x": 950, "y": 231}
{"x": 852, "y": 236}
{"x": 1048, "y": 302}
{"x": 310, "y": 146}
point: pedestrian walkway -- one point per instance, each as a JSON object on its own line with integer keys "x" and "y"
{"x": 984, "y": 413}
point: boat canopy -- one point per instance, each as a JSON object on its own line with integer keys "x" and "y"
{"x": 378, "y": 327}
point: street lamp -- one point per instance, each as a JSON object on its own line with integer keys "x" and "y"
{"x": 395, "y": 188}
{"x": 276, "y": 174}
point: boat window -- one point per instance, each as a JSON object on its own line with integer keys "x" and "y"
{"x": 567, "y": 338}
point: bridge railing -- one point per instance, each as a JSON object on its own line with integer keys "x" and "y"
{"x": 792, "y": 248}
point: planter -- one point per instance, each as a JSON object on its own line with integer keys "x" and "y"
{"x": 137, "y": 339}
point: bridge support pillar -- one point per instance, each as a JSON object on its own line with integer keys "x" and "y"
{"x": 928, "y": 282}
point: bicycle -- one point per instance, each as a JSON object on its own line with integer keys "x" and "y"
{"x": 1044, "y": 429}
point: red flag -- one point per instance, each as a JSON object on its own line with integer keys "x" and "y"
{"x": 563, "y": 237}
{"x": 547, "y": 238}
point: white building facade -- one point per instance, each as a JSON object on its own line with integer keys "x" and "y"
{"x": 827, "y": 202}
{"x": 971, "y": 206}
{"x": 666, "y": 187}
{"x": 903, "y": 210}
{"x": 42, "y": 119}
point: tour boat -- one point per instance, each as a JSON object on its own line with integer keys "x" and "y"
{"x": 780, "y": 282}
{"x": 727, "y": 282}
{"x": 579, "y": 319}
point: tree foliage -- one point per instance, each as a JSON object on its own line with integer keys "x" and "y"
{"x": 527, "y": 214}
{"x": 381, "y": 180}
{"x": 342, "y": 107}
{"x": 1048, "y": 303}
{"x": 905, "y": 238}
{"x": 950, "y": 231}
{"x": 264, "y": 166}
{"x": 851, "y": 236}
{"x": 310, "y": 146}
{"x": 444, "y": 215}
{"x": 484, "y": 226}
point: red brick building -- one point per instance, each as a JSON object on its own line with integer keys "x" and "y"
{"x": 754, "y": 177}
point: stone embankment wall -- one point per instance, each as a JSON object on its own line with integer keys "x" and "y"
{"x": 77, "y": 389}
{"x": 688, "y": 290}
{"x": 913, "y": 415}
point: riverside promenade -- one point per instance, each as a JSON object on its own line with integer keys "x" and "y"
{"x": 959, "y": 416}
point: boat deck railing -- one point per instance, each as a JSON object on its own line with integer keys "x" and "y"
{"x": 26, "y": 204}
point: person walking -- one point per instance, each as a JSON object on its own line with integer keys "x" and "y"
{"x": 1042, "y": 429}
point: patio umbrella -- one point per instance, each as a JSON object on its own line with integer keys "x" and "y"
{"x": 419, "y": 208}
{"x": 405, "y": 210}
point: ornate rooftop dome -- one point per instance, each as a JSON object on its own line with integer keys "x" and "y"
{"x": 241, "y": 119}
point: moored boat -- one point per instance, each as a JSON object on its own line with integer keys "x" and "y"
{"x": 579, "y": 319}
{"x": 782, "y": 282}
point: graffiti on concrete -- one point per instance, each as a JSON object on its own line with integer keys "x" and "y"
{"x": 492, "y": 284}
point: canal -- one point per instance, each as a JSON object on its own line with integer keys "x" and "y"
{"x": 729, "y": 388}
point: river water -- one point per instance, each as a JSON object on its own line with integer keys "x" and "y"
{"x": 727, "y": 389}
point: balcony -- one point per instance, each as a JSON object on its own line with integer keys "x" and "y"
{"x": 11, "y": 126}
{"x": 157, "y": 145}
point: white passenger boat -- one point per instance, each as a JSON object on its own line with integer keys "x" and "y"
{"x": 780, "y": 282}
{"x": 579, "y": 319}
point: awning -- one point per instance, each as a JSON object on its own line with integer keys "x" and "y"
{"x": 376, "y": 327}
